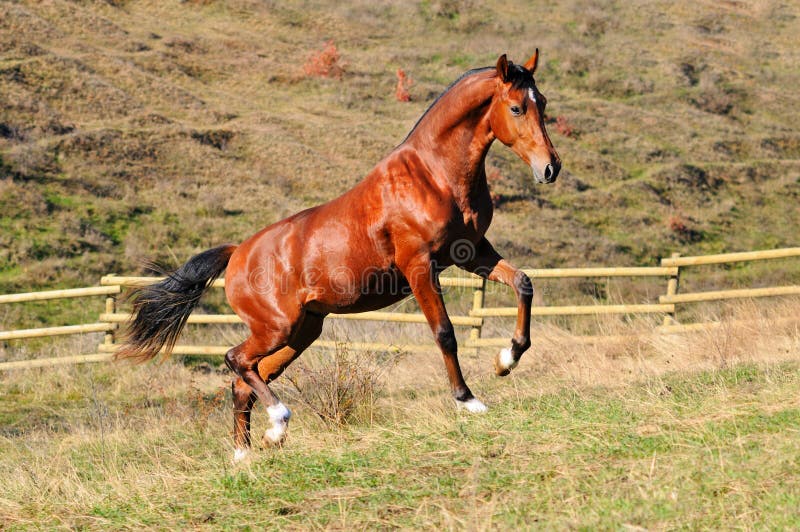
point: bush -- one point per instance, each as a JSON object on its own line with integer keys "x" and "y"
{"x": 339, "y": 385}
{"x": 403, "y": 84}
{"x": 325, "y": 63}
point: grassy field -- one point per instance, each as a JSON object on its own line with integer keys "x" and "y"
{"x": 656, "y": 432}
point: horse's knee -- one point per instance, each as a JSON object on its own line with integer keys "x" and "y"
{"x": 523, "y": 285}
{"x": 230, "y": 360}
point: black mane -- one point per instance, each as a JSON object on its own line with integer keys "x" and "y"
{"x": 520, "y": 79}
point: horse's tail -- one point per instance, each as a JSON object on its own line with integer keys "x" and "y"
{"x": 160, "y": 310}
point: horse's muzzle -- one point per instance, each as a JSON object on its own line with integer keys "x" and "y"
{"x": 548, "y": 174}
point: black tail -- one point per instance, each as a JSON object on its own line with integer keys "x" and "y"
{"x": 160, "y": 310}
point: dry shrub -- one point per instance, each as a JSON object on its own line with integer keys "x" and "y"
{"x": 564, "y": 127}
{"x": 339, "y": 385}
{"x": 325, "y": 63}
{"x": 681, "y": 228}
{"x": 404, "y": 82}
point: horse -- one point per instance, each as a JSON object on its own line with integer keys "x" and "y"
{"x": 424, "y": 207}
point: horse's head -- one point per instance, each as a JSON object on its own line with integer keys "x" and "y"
{"x": 517, "y": 118}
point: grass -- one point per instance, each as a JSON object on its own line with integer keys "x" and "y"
{"x": 712, "y": 450}
{"x": 695, "y": 431}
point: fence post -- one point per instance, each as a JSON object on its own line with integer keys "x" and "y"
{"x": 477, "y": 303}
{"x": 111, "y": 308}
{"x": 672, "y": 288}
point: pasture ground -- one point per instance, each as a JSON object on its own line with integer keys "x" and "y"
{"x": 697, "y": 431}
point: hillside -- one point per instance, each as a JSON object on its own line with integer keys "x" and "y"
{"x": 139, "y": 130}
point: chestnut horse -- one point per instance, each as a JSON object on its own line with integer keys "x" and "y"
{"x": 424, "y": 207}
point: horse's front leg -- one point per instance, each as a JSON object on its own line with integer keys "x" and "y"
{"x": 490, "y": 265}
{"x": 424, "y": 283}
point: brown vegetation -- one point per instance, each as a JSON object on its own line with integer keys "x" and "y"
{"x": 325, "y": 63}
{"x": 404, "y": 82}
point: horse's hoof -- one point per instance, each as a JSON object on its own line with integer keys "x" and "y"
{"x": 504, "y": 362}
{"x": 274, "y": 436}
{"x": 239, "y": 455}
{"x": 279, "y": 416}
{"x": 473, "y": 405}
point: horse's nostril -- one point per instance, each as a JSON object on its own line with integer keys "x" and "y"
{"x": 548, "y": 172}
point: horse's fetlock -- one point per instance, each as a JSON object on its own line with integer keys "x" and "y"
{"x": 520, "y": 345}
{"x": 463, "y": 395}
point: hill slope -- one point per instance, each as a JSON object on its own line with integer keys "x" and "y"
{"x": 133, "y": 130}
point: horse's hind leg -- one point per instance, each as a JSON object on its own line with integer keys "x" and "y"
{"x": 243, "y": 400}
{"x": 257, "y": 365}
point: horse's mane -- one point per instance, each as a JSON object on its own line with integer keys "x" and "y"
{"x": 519, "y": 77}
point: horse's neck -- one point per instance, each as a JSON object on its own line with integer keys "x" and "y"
{"x": 454, "y": 136}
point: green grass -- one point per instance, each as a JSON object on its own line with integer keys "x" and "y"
{"x": 714, "y": 449}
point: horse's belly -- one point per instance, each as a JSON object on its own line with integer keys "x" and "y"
{"x": 345, "y": 294}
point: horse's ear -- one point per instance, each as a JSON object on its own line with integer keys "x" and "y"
{"x": 532, "y": 62}
{"x": 502, "y": 67}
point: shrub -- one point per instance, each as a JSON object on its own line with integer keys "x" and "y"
{"x": 494, "y": 177}
{"x": 325, "y": 63}
{"x": 681, "y": 228}
{"x": 403, "y": 84}
{"x": 339, "y": 385}
{"x": 564, "y": 127}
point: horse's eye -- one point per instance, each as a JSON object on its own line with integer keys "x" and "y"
{"x": 516, "y": 110}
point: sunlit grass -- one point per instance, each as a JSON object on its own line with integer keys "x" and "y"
{"x": 697, "y": 430}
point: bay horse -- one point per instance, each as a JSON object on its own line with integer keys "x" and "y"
{"x": 424, "y": 207}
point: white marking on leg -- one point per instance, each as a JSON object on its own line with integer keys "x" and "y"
{"x": 276, "y": 433}
{"x": 279, "y": 416}
{"x": 240, "y": 454}
{"x": 506, "y": 359}
{"x": 473, "y": 405}
{"x": 279, "y": 412}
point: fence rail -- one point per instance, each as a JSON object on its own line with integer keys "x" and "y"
{"x": 739, "y": 293}
{"x": 43, "y": 332}
{"x": 670, "y": 268}
{"x": 60, "y": 294}
{"x": 577, "y": 310}
{"x": 726, "y": 258}
{"x": 639, "y": 271}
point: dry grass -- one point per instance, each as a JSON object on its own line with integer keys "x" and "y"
{"x": 118, "y": 446}
{"x": 340, "y": 385}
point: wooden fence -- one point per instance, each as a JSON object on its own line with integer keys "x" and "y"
{"x": 669, "y": 270}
